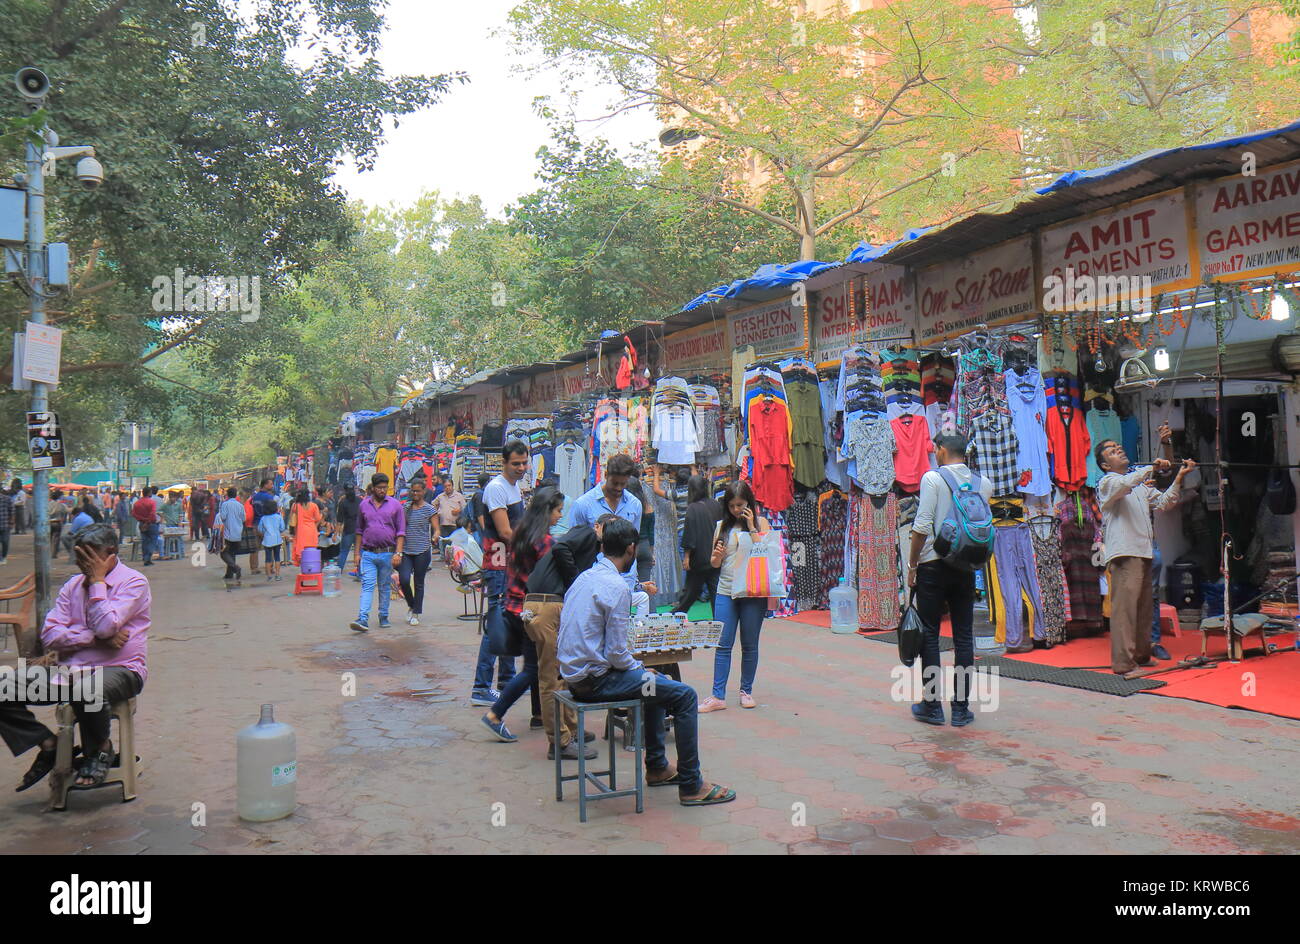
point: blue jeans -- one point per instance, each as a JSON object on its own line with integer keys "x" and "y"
{"x": 376, "y": 573}
{"x": 745, "y": 614}
{"x": 675, "y": 698}
{"x": 150, "y": 543}
{"x": 345, "y": 548}
{"x": 494, "y": 581}
{"x": 515, "y": 688}
{"x": 1156, "y": 568}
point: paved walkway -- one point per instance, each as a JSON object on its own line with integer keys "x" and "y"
{"x": 828, "y": 763}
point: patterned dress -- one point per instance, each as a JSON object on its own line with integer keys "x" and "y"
{"x": 832, "y": 522}
{"x": 1051, "y": 581}
{"x": 877, "y": 562}
{"x": 1082, "y": 578}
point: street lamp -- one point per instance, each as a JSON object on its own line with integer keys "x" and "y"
{"x": 34, "y": 87}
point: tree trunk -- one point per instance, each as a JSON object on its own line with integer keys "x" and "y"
{"x": 807, "y": 211}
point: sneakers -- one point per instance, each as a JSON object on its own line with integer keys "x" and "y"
{"x": 747, "y": 700}
{"x": 536, "y": 723}
{"x": 961, "y": 716}
{"x": 711, "y": 704}
{"x": 484, "y": 699}
{"x": 384, "y": 624}
{"x": 360, "y": 626}
{"x": 1160, "y": 652}
{"x": 413, "y": 619}
{"x": 499, "y": 729}
{"x": 570, "y": 752}
{"x": 928, "y": 712}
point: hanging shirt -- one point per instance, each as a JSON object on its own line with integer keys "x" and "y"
{"x": 1069, "y": 445}
{"x": 871, "y": 444}
{"x": 770, "y": 446}
{"x": 672, "y": 419}
{"x": 912, "y": 460}
{"x": 1028, "y": 403}
{"x": 1102, "y": 425}
{"x": 994, "y": 452}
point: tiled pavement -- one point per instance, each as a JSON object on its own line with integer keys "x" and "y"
{"x": 827, "y": 764}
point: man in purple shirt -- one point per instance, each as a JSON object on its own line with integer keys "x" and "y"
{"x": 100, "y": 626}
{"x": 381, "y": 533}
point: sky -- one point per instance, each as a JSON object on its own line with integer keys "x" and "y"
{"x": 482, "y": 137}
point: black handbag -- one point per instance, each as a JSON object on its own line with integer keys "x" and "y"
{"x": 506, "y": 635}
{"x": 1281, "y": 492}
{"x": 911, "y": 632}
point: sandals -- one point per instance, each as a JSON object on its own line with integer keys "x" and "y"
{"x": 96, "y": 768}
{"x": 41, "y": 766}
{"x": 717, "y": 794}
{"x": 676, "y": 778}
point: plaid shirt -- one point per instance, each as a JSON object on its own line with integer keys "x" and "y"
{"x": 6, "y": 512}
{"x": 994, "y": 450}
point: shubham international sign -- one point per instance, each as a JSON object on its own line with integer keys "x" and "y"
{"x": 1249, "y": 227}
{"x": 885, "y": 309}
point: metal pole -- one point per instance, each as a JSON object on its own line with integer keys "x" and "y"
{"x": 40, "y": 392}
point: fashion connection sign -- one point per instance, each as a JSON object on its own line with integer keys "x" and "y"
{"x": 770, "y": 329}
{"x": 1247, "y": 227}
{"x": 990, "y": 287}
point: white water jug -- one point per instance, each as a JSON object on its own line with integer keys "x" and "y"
{"x": 267, "y": 769}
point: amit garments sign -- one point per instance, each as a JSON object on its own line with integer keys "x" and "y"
{"x": 770, "y": 329}
{"x": 1146, "y": 244}
{"x": 889, "y": 311}
{"x": 1247, "y": 227}
{"x": 994, "y": 286}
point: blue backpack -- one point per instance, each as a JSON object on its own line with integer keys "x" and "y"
{"x": 965, "y": 539}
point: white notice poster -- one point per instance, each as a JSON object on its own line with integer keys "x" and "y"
{"x": 41, "y": 353}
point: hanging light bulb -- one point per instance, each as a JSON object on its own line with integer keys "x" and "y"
{"x": 1279, "y": 309}
{"x": 1100, "y": 363}
{"x": 1161, "y": 358}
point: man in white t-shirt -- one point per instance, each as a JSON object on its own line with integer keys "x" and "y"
{"x": 938, "y": 582}
{"x": 504, "y": 505}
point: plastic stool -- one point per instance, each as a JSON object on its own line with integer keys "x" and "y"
{"x": 63, "y": 775}
{"x": 1169, "y": 619}
{"x": 309, "y": 583}
{"x": 583, "y": 776}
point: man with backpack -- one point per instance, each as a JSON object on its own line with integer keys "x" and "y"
{"x": 952, "y": 537}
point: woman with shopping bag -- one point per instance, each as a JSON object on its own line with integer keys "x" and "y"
{"x": 752, "y": 564}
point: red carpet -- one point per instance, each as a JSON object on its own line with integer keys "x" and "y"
{"x": 1277, "y": 676}
{"x": 1276, "y": 682}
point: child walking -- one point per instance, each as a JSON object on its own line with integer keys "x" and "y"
{"x": 271, "y": 528}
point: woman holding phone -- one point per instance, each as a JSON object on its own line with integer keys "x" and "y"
{"x": 740, "y": 523}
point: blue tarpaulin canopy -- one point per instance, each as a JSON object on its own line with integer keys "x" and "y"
{"x": 770, "y": 276}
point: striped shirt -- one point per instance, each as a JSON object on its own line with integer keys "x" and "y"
{"x": 418, "y": 539}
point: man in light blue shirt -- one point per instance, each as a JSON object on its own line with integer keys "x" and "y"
{"x": 609, "y": 497}
{"x": 230, "y": 521}
{"x": 597, "y": 665}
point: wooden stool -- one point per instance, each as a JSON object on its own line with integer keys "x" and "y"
{"x": 309, "y": 583}
{"x": 1243, "y": 626}
{"x": 63, "y": 775}
{"x": 605, "y": 791}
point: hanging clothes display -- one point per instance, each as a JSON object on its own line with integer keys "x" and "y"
{"x": 803, "y": 395}
{"x": 1045, "y": 534}
{"x": 1103, "y": 423}
{"x": 1068, "y": 444}
{"x": 938, "y": 377}
{"x": 769, "y": 442}
{"x": 708, "y": 419}
{"x": 832, "y": 522}
{"x": 668, "y": 562}
{"x": 994, "y": 450}
{"x": 900, "y": 377}
{"x": 877, "y": 561}
{"x": 805, "y": 549}
{"x": 870, "y": 445}
{"x": 674, "y": 433}
{"x": 1018, "y": 582}
{"x": 913, "y": 449}
{"x": 1080, "y": 530}
{"x": 1028, "y": 402}
{"x": 832, "y": 434}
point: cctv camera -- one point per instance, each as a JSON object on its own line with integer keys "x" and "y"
{"x": 90, "y": 173}
{"x": 32, "y": 84}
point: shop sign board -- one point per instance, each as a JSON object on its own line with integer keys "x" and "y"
{"x": 888, "y": 311}
{"x": 140, "y": 462}
{"x": 770, "y": 329}
{"x": 704, "y": 346}
{"x": 1125, "y": 254}
{"x": 542, "y": 391}
{"x": 1249, "y": 227}
{"x": 994, "y": 286}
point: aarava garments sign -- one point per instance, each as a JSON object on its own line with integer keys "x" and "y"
{"x": 770, "y": 328}
{"x": 995, "y": 286}
{"x": 1247, "y": 227}
{"x": 887, "y": 311}
{"x": 1141, "y": 247}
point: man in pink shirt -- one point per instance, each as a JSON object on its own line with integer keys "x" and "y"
{"x": 99, "y": 623}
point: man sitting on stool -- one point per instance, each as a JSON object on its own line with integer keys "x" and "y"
{"x": 100, "y": 621}
{"x": 597, "y": 666}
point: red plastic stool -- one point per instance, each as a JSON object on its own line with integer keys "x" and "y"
{"x": 309, "y": 583}
{"x": 1169, "y": 619}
